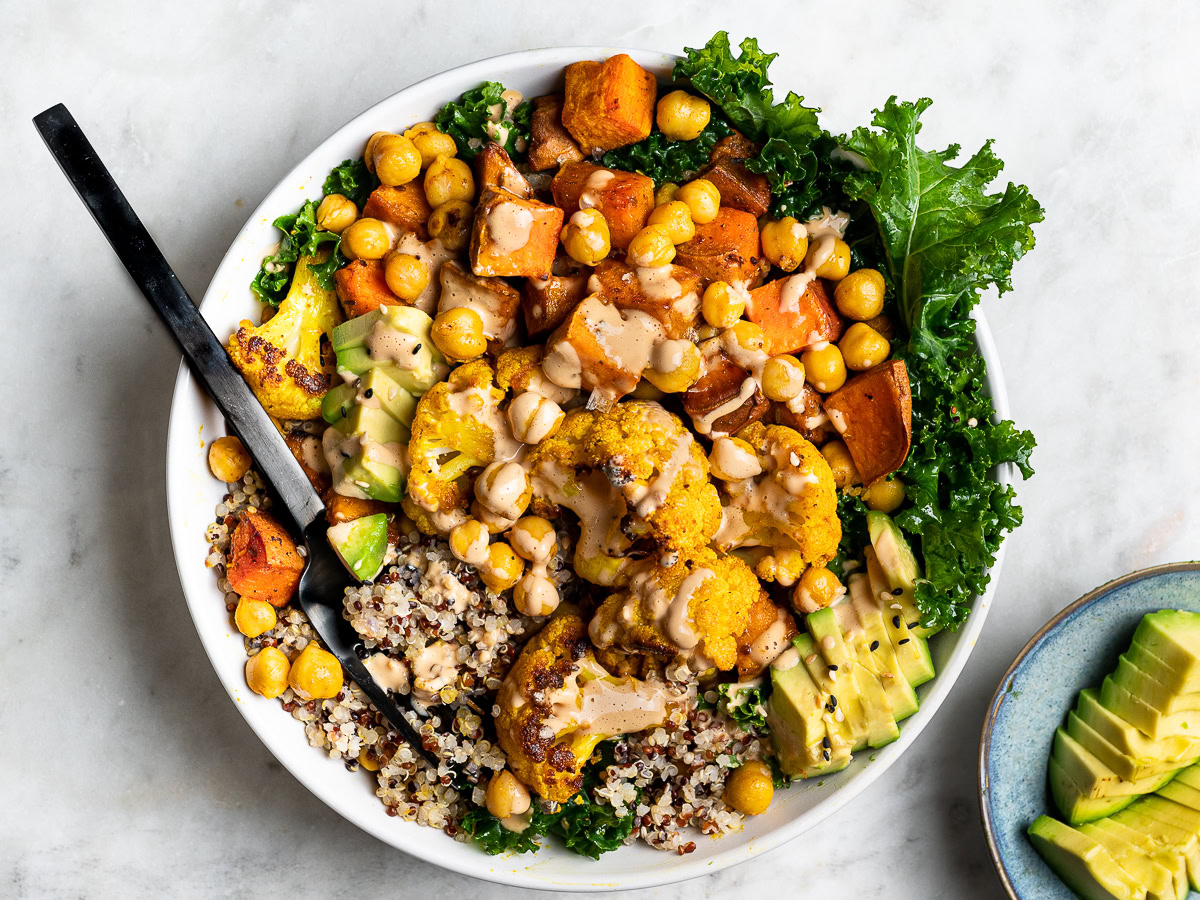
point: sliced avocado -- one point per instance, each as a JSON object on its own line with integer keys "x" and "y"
{"x": 1138, "y": 865}
{"x": 794, "y": 714}
{"x": 377, "y": 423}
{"x": 877, "y": 647}
{"x": 900, "y": 567}
{"x": 1121, "y": 763}
{"x": 1128, "y": 739}
{"x": 1082, "y": 863}
{"x": 377, "y": 480}
{"x": 1154, "y": 724}
{"x": 417, "y": 369}
{"x": 881, "y": 723}
{"x": 1165, "y": 834}
{"x": 1183, "y": 794}
{"x": 1097, "y": 779}
{"x": 1169, "y": 859}
{"x": 1075, "y": 803}
{"x": 362, "y": 545}
{"x": 1172, "y": 635}
{"x": 844, "y": 736}
{"x": 834, "y": 675}
{"x": 1190, "y": 776}
{"x": 1183, "y": 681}
{"x": 912, "y": 652}
{"x": 338, "y": 402}
{"x": 1144, "y": 684}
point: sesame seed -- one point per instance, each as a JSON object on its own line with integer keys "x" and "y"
{"x": 825, "y": 753}
{"x": 833, "y": 668}
{"x": 369, "y": 393}
{"x": 874, "y": 645}
{"x": 895, "y": 621}
{"x": 898, "y": 593}
{"x": 825, "y": 742}
{"x": 833, "y": 701}
{"x": 914, "y": 624}
{"x": 904, "y": 640}
{"x": 417, "y": 349}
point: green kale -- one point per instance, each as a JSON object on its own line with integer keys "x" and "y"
{"x": 852, "y": 513}
{"x": 352, "y": 179}
{"x": 746, "y": 706}
{"x": 493, "y": 838}
{"x": 301, "y": 237}
{"x": 467, "y": 121}
{"x": 663, "y": 159}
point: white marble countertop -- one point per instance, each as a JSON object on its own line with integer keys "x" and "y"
{"x": 126, "y": 772}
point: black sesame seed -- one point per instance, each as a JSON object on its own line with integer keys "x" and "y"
{"x": 898, "y": 592}
{"x": 369, "y": 393}
{"x": 825, "y": 753}
{"x": 904, "y": 641}
{"x": 417, "y": 349}
{"x": 832, "y": 700}
{"x": 895, "y": 621}
{"x": 825, "y": 742}
{"x": 914, "y": 624}
{"x": 833, "y": 668}
{"x": 874, "y": 645}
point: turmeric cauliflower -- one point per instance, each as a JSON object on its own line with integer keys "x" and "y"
{"x": 557, "y": 703}
{"x": 791, "y": 504}
{"x": 695, "y": 608}
{"x": 281, "y": 359}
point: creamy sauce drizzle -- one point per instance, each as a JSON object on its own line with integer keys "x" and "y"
{"x": 509, "y": 225}
{"x": 434, "y": 668}
{"x": 390, "y": 674}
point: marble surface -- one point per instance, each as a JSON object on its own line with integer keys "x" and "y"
{"x": 126, "y": 772}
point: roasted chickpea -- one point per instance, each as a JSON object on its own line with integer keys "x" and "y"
{"x": 785, "y": 243}
{"x": 451, "y": 223}
{"x": 495, "y": 524}
{"x": 254, "y": 617}
{"x": 503, "y": 567}
{"x": 841, "y": 463}
{"x": 665, "y": 193}
{"x": 818, "y": 587}
{"x": 674, "y": 366}
{"x": 406, "y": 276}
{"x": 885, "y": 495}
{"x": 368, "y": 760}
{"x": 506, "y": 796}
{"x": 828, "y": 262}
{"x": 448, "y": 179}
{"x": 733, "y": 459}
{"x": 336, "y": 213}
{"x": 397, "y": 161}
{"x": 746, "y": 335}
{"x": 366, "y": 239}
{"x": 722, "y": 305}
{"x": 533, "y": 418}
{"x": 369, "y": 150}
{"x": 677, "y": 219}
{"x": 862, "y": 347}
{"x": 228, "y": 459}
{"x": 469, "y": 542}
{"x": 267, "y": 672}
{"x": 533, "y": 538}
{"x": 682, "y": 116}
{"x": 458, "y": 333}
{"x": 824, "y": 367}
{"x": 586, "y": 238}
{"x": 750, "y": 788}
{"x": 536, "y": 595}
{"x": 430, "y": 142}
{"x": 782, "y": 378}
{"x": 316, "y": 674}
{"x": 859, "y": 295}
{"x": 702, "y": 198}
{"x": 652, "y": 246}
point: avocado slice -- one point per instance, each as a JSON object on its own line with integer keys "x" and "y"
{"x": 900, "y": 567}
{"x": 912, "y": 652}
{"x": 361, "y": 544}
{"x": 419, "y": 369}
{"x": 1075, "y": 775}
{"x": 1169, "y": 859}
{"x": 844, "y": 736}
{"x": 1143, "y": 684}
{"x": 1127, "y": 739}
{"x": 1137, "y": 712}
{"x": 1075, "y": 803}
{"x": 794, "y": 714}
{"x": 1137, "y": 864}
{"x": 877, "y": 647}
{"x": 1172, "y": 636}
{"x": 1190, "y": 776}
{"x": 1121, "y": 763}
{"x": 1083, "y": 864}
{"x": 1181, "y": 793}
{"x": 1165, "y": 833}
{"x": 337, "y": 402}
{"x": 835, "y": 678}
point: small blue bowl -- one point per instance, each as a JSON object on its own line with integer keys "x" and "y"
{"x": 1074, "y": 650}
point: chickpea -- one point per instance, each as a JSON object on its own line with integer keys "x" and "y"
{"x": 430, "y": 142}
{"x": 533, "y": 538}
{"x": 228, "y": 459}
{"x": 316, "y": 674}
{"x": 746, "y": 335}
{"x": 586, "y": 238}
{"x": 733, "y": 459}
{"x": 406, "y": 276}
{"x": 495, "y": 524}
{"x": 451, "y": 224}
{"x": 458, "y": 333}
{"x": 254, "y": 617}
{"x": 862, "y": 347}
{"x": 885, "y": 495}
{"x": 369, "y": 151}
{"x": 503, "y": 487}
{"x": 336, "y": 213}
{"x": 267, "y": 672}
{"x": 785, "y": 243}
{"x": 367, "y": 760}
{"x": 859, "y": 295}
{"x": 469, "y": 542}
{"x": 533, "y": 418}
{"x": 824, "y": 367}
{"x": 652, "y": 246}
{"x": 750, "y": 788}
{"x": 674, "y": 366}
{"x": 841, "y": 463}
{"x": 448, "y": 179}
{"x": 397, "y": 161}
{"x": 682, "y": 116}
{"x": 503, "y": 568}
{"x": 536, "y": 595}
{"x": 366, "y": 239}
{"x": 506, "y": 796}
{"x": 782, "y": 378}
{"x": 665, "y": 193}
{"x": 702, "y": 198}
{"x": 722, "y": 305}
{"x": 833, "y": 266}
{"x": 818, "y": 587}
{"x": 677, "y": 219}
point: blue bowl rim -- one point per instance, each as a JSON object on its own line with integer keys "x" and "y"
{"x": 989, "y": 722}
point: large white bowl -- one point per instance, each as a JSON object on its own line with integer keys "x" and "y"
{"x": 192, "y": 494}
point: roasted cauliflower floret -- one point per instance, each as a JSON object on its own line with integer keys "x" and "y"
{"x": 281, "y": 359}
{"x": 557, "y": 703}
{"x": 457, "y": 429}
{"x": 791, "y": 504}
{"x": 694, "y": 609}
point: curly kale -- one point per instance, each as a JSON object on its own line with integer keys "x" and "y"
{"x": 471, "y": 121}
{"x": 663, "y": 159}
{"x": 745, "y": 704}
{"x": 301, "y": 237}
{"x": 352, "y": 179}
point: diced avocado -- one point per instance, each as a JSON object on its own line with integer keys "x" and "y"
{"x": 379, "y": 389}
{"x": 1074, "y": 802}
{"x": 379, "y": 481}
{"x": 376, "y": 423}
{"x": 362, "y": 545}
{"x": 338, "y": 402}
{"x": 1128, "y": 739}
{"x": 1082, "y": 863}
{"x": 1154, "y": 724}
{"x": 1144, "y": 684}
{"x": 836, "y": 679}
{"x": 877, "y": 646}
{"x": 407, "y": 353}
{"x": 1121, "y": 763}
{"x": 1137, "y": 864}
{"x": 794, "y": 714}
{"x": 1169, "y": 859}
{"x": 1173, "y": 636}
{"x": 900, "y": 567}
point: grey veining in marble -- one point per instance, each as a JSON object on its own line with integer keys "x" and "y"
{"x": 124, "y": 771}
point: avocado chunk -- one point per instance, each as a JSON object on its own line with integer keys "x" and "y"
{"x": 794, "y": 714}
{"x": 338, "y": 402}
{"x": 1078, "y": 775}
{"x": 844, "y": 736}
{"x": 1172, "y": 861}
{"x": 1121, "y": 763}
{"x": 1167, "y": 835}
{"x": 845, "y": 704}
{"x": 1083, "y": 864}
{"x": 395, "y": 338}
{"x": 876, "y": 647}
{"x": 1144, "y": 684}
{"x": 1128, "y": 740}
{"x": 361, "y": 544}
{"x": 1172, "y": 636}
{"x": 1137, "y": 864}
{"x": 1150, "y": 721}
{"x": 900, "y": 567}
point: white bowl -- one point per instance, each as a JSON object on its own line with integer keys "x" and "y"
{"x": 192, "y": 494}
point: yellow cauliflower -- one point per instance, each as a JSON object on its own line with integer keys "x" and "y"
{"x": 281, "y": 359}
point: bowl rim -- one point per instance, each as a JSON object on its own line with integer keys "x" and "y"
{"x": 989, "y": 721}
{"x": 687, "y": 867}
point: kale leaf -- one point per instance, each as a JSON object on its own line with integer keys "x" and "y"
{"x": 352, "y": 179}
{"x": 301, "y": 237}
{"x": 747, "y": 706}
{"x": 468, "y": 121}
{"x": 663, "y": 159}
{"x": 852, "y": 513}
{"x": 493, "y": 838}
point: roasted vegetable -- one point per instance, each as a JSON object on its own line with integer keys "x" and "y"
{"x": 263, "y": 561}
{"x": 725, "y": 249}
{"x": 794, "y": 313}
{"x": 513, "y": 236}
{"x": 625, "y": 199}
{"x": 404, "y": 206}
{"x": 610, "y": 104}
{"x": 873, "y": 414}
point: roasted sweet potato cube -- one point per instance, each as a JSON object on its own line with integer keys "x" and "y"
{"x": 404, "y": 206}
{"x": 739, "y": 187}
{"x": 733, "y": 146}
{"x": 809, "y": 418}
{"x": 625, "y": 199}
{"x": 263, "y": 561}
{"x": 494, "y": 299}
{"x": 725, "y": 399}
{"x": 361, "y": 287}
{"x": 545, "y": 302}
{"x": 873, "y": 414}
{"x": 669, "y": 293}
{"x": 725, "y": 249}
{"x": 513, "y": 236}
{"x": 794, "y": 312}
{"x": 763, "y": 615}
{"x": 495, "y": 168}
{"x": 610, "y": 104}
{"x": 550, "y": 145}
{"x": 340, "y": 508}
{"x": 603, "y": 348}
{"x": 307, "y": 450}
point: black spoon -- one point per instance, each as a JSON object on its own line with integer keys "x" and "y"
{"x": 324, "y": 579}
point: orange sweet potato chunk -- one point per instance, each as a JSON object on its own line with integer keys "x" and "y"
{"x": 263, "y": 561}
{"x": 361, "y": 287}
{"x": 625, "y": 199}
{"x": 669, "y": 293}
{"x": 763, "y": 614}
{"x": 739, "y": 187}
{"x": 546, "y": 302}
{"x": 295, "y": 441}
{"x": 550, "y": 145}
{"x": 725, "y": 249}
{"x": 873, "y": 413}
{"x": 404, "y": 206}
{"x": 720, "y": 385}
{"x": 495, "y": 168}
{"x": 791, "y": 320}
{"x": 610, "y": 104}
{"x": 340, "y": 508}
{"x": 513, "y": 236}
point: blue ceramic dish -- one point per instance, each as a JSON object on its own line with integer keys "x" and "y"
{"x": 1074, "y": 650}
